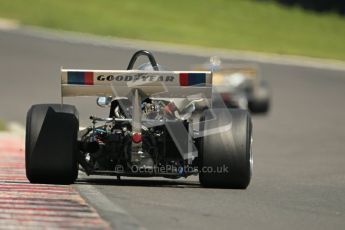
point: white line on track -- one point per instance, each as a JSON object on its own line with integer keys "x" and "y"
{"x": 113, "y": 213}
{"x": 8, "y": 24}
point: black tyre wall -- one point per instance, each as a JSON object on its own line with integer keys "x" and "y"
{"x": 260, "y": 101}
{"x": 229, "y": 147}
{"x": 259, "y": 106}
{"x": 51, "y": 144}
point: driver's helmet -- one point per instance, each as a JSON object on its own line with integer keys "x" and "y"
{"x": 214, "y": 64}
{"x": 148, "y": 67}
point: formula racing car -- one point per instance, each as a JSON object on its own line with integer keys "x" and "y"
{"x": 240, "y": 85}
{"x": 160, "y": 124}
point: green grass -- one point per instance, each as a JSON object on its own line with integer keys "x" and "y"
{"x": 2, "y": 125}
{"x": 234, "y": 24}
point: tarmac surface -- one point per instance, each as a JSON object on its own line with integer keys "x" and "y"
{"x": 299, "y": 154}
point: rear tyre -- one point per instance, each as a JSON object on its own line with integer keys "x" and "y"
{"x": 260, "y": 102}
{"x": 51, "y": 144}
{"x": 225, "y": 150}
{"x": 259, "y": 106}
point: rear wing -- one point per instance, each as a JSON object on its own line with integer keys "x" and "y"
{"x": 120, "y": 83}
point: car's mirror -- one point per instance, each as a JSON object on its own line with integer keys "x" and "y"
{"x": 104, "y": 101}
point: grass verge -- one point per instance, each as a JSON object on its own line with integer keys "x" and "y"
{"x": 2, "y": 125}
{"x": 237, "y": 24}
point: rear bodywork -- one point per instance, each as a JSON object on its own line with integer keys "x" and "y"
{"x": 153, "y": 123}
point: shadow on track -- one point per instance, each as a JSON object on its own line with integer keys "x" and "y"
{"x": 139, "y": 182}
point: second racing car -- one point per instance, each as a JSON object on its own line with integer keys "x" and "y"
{"x": 240, "y": 85}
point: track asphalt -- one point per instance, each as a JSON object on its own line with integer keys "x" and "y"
{"x": 299, "y": 156}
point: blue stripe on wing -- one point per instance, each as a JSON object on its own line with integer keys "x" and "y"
{"x": 76, "y": 78}
{"x": 196, "y": 79}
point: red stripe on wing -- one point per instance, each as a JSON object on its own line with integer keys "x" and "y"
{"x": 88, "y": 78}
{"x": 184, "y": 79}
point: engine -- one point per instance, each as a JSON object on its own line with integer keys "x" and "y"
{"x": 106, "y": 148}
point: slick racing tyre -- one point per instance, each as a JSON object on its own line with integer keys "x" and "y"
{"x": 51, "y": 144}
{"x": 260, "y": 102}
{"x": 259, "y": 106}
{"x": 225, "y": 149}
